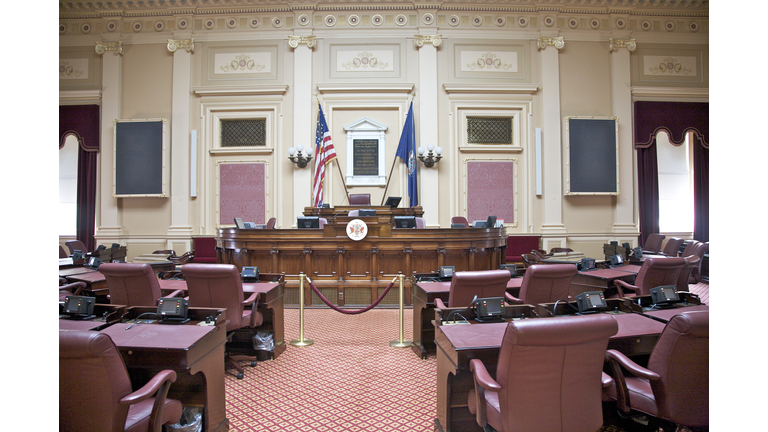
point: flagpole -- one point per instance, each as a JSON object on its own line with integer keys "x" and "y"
{"x": 343, "y": 183}
{"x": 394, "y": 161}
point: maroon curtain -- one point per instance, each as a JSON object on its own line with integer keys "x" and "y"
{"x": 677, "y": 119}
{"x": 83, "y": 121}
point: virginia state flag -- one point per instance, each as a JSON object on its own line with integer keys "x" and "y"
{"x": 406, "y": 151}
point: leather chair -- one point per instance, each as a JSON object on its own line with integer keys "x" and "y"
{"x": 690, "y": 248}
{"x": 62, "y": 252}
{"x": 133, "y": 284}
{"x": 220, "y": 286}
{"x": 674, "y": 387}
{"x": 360, "y": 199}
{"x": 204, "y": 249}
{"x": 545, "y": 283}
{"x": 653, "y": 243}
{"x": 95, "y": 392}
{"x": 465, "y": 285}
{"x": 271, "y": 223}
{"x": 420, "y": 223}
{"x": 354, "y": 213}
{"x": 672, "y": 248}
{"x": 654, "y": 272}
{"x": 321, "y": 222}
{"x": 76, "y": 245}
{"x": 695, "y": 276}
{"x": 691, "y": 262}
{"x": 531, "y": 259}
{"x": 548, "y": 377}
{"x": 460, "y": 220}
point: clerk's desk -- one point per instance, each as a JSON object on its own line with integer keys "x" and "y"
{"x": 458, "y": 344}
{"x": 194, "y": 352}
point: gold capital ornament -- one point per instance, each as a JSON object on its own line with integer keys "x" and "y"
{"x": 615, "y": 44}
{"x": 188, "y": 44}
{"x": 544, "y": 42}
{"x": 435, "y": 40}
{"x": 102, "y": 47}
{"x": 295, "y": 41}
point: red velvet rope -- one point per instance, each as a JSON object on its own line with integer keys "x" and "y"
{"x": 347, "y": 311}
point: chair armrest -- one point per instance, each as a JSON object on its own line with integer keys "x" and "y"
{"x": 253, "y": 301}
{"x": 439, "y": 304}
{"x": 176, "y": 293}
{"x": 75, "y": 288}
{"x": 630, "y": 366}
{"x": 621, "y": 286}
{"x": 607, "y": 380}
{"x": 512, "y": 299}
{"x": 482, "y": 376}
{"x": 149, "y": 388}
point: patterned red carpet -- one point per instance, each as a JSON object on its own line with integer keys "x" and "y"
{"x": 349, "y": 380}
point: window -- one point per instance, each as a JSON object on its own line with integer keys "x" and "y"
{"x": 675, "y": 184}
{"x": 68, "y": 158}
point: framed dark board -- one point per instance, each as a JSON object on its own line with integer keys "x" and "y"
{"x": 140, "y": 158}
{"x": 591, "y": 156}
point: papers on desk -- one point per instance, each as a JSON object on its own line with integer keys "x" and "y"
{"x": 66, "y": 261}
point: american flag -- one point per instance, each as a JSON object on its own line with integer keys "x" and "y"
{"x": 324, "y": 154}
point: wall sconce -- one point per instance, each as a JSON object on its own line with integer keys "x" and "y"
{"x": 431, "y": 158}
{"x": 296, "y": 156}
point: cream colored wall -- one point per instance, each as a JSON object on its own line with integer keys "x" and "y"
{"x": 586, "y": 80}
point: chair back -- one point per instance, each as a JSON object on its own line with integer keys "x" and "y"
{"x": 216, "y": 286}
{"x": 653, "y": 242}
{"x": 131, "y": 284}
{"x": 360, "y": 199}
{"x": 460, "y": 220}
{"x": 691, "y": 247}
{"x": 62, "y": 252}
{"x": 205, "y": 249}
{"x": 691, "y": 262}
{"x": 550, "y": 371}
{"x": 695, "y": 276}
{"x": 656, "y": 272}
{"x": 420, "y": 223}
{"x": 465, "y": 285}
{"x": 681, "y": 358}
{"x": 545, "y": 283}
{"x": 672, "y": 248}
{"x": 76, "y": 245}
{"x": 321, "y": 222}
{"x": 531, "y": 259}
{"x": 92, "y": 380}
{"x": 271, "y": 223}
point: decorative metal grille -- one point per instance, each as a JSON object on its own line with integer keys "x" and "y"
{"x": 489, "y": 130}
{"x": 244, "y": 133}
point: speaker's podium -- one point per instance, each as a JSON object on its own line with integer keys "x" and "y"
{"x": 384, "y": 214}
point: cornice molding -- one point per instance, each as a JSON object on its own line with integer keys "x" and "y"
{"x": 365, "y": 88}
{"x": 240, "y": 90}
{"x": 491, "y": 88}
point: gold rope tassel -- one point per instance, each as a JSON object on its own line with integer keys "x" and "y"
{"x": 400, "y": 343}
{"x": 301, "y": 341}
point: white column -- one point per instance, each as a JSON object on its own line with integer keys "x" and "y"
{"x": 303, "y": 123}
{"x": 551, "y": 140}
{"x": 108, "y": 227}
{"x": 427, "y": 125}
{"x": 180, "y": 231}
{"x": 624, "y": 225}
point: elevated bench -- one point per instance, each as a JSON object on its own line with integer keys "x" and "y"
{"x": 519, "y": 245}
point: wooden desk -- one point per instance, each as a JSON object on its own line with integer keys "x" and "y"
{"x": 95, "y": 284}
{"x": 195, "y": 352}
{"x": 458, "y": 344}
{"x": 356, "y": 272}
{"x": 270, "y": 305}
{"x": 424, "y": 295}
{"x": 600, "y": 279}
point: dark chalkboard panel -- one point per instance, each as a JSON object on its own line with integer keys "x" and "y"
{"x": 140, "y": 158}
{"x": 591, "y": 156}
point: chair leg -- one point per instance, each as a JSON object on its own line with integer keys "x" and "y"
{"x": 235, "y": 362}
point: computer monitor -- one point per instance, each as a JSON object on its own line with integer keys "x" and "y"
{"x": 405, "y": 221}
{"x": 308, "y": 222}
{"x": 366, "y": 212}
{"x": 239, "y": 223}
{"x": 393, "y": 201}
{"x": 478, "y": 224}
{"x": 491, "y": 222}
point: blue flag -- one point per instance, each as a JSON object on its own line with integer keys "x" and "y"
{"x": 406, "y": 151}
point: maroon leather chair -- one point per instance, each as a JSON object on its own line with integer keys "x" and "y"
{"x": 460, "y": 220}
{"x": 95, "y": 391}
{"x": 360, "y": 199}
{"x": 204, "y": 249}
{"x": 691, "y": 262}
{"x": 271, "y": 223}
{"x": 672, "y": 248}
{"x": 220, "y": 286}
{"x": 133, "y": 284}
{"x": 695, "y": 276}
{"x": 653, "y": 243}
{"x": 465, "y": 285}
{"x": 545, "y": 283}
{"x": 654, "y": 272}
{"x": 675, "y": 385}
{"x": 548, "y": 377}
{"x": 531, "y": 259}
{"x": 62, "y": 252}
{"x": 76, "y": 245}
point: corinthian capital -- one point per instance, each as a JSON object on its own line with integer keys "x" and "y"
{"x": 295, "y": 41}
{"x": 435, "y": 40}
{"x": 557, "y": 42}
{"x": 615, "y": 44}
{"x": 188, "y": 44}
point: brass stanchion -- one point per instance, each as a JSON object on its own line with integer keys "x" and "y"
{"x": 401, "y": 343}
{"x": 301, "y": 341}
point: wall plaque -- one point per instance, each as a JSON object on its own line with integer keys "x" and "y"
{"x": 366, "y": 145}
{"x": 365, "y": 157}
